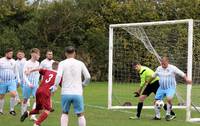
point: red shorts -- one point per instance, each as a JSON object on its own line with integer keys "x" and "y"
{"x": 43, "y": 100}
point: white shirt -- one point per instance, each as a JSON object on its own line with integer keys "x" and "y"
{"x": 8, "y": 70}
{"x": 32, "y": 78}
{"x": 167, "y": 76}
{"x": 71, "y": 71}
{"x": 47, "y": 64}
{"x": 20, "y": 67}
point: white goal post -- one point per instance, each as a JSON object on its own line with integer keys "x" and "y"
{"x": 189, "y": 49}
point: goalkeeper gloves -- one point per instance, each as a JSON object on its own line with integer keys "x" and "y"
{"x": 136, "y": 94}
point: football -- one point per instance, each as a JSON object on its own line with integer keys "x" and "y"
{"x": 159, "y": 104}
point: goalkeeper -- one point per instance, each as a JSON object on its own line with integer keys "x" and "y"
{"x": 145, "y": 74}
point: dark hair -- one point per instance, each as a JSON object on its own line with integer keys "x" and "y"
{"x": 55, "y": 65}
{"x": 35, "y": 50}
{"x": 9, "y": 50}
{"x": 69, "y": 50}
{"x": 134, "y": 63}
{"x": 48, "y": 50}
{"x": 20, "y": 51}
{"x": 165, "y": 58}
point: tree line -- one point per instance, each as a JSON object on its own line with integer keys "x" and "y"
{"x": 83, "y": 24}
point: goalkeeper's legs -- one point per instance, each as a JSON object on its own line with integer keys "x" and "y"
{"x": 150, "y": 88}
{"x": 140, "y": 105}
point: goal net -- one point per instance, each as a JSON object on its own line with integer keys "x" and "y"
{"x": 147, "y": 42}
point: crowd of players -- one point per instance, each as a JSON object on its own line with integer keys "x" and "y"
{"x": 68, "y": 73}
{"x": 26, "y": 74}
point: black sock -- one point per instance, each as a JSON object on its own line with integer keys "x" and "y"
{"x": 165, "y": 108}
{"x": 139, "y": 109}
{"x": 172, "y": 112}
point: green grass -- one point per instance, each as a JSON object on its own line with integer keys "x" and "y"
{"x": 96, "y": 112}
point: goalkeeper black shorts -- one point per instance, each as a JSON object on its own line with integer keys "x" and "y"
{"x": 151, "y": 88}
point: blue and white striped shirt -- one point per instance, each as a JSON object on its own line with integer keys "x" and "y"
{"x": 47, "y": 64}
{"x": 32, "y": 78}
{"x": 20, "y": 67}
{"x": 167, "y": 76}
{"x": 8, "y": 70}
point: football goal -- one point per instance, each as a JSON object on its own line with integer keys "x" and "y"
{"x": 147, "y": 42}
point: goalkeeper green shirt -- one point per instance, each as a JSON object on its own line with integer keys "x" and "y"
{"x": 145, "y": 74}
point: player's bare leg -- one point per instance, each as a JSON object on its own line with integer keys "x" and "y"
{"x": 28, "y": 102}
{"x": 17, "y": 99}
{"x": 51, "y": 104}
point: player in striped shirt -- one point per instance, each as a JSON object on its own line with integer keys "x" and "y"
{"x": 71, "y": 71}
{"x": 8, "y": 78}
{"x": 20, "y": 62}
{"x": 167, "y": 72}
{"x": 47, "y": 63}
{"x": 30, "y": 80}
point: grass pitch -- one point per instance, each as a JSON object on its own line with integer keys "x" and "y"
{"x": 96, "y": 112}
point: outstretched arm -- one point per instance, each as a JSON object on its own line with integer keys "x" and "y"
{"x": 86, "y": 75}
{"x": 33, "y": 70}
{"x": 58, "y": 78}
{"x": 188, "y": 81}
{"x": 182, "y": 74}
{"x": 16, "y": 71}
{"x": 25, "y": 71}
{"x": 142, "y": 84}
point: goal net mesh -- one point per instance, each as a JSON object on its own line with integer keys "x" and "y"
{"x": 147, "y": 44}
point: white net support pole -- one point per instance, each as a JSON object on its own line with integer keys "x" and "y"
{"x": 151, "y": 23}
{"x": 189, "y": 69}
{"x": 110, "y": 68}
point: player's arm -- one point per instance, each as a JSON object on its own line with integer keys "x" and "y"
{"x": 41, "y": 71}
{"x": 182, "y": 74}
{"x": 25, "y": 70}
{"x": 58, "y": 78}
{"x": 153, "y": 76}
{"x": 142, "y": 84}
{"x": 86, "y": 75}
{"x": 16, "y": 71}
{"x": 41, "y": 64}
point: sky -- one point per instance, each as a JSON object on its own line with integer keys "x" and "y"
{"x": 31, "y": 1}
